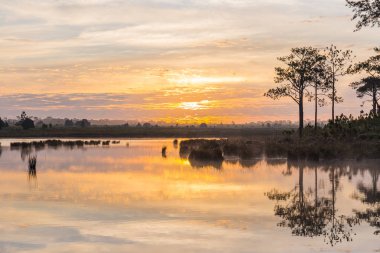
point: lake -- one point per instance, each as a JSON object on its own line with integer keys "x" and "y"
{"x": 129, "y": 197}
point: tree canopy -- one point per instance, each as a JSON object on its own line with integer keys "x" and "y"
{"x": 25, "y": 121}
{"x": 366, "y": 12}
{"x": 368, "y": 87}
{"x": 302, "y": 68}
{"x": 371, "y": 66}
{"x": 338, "y": 63}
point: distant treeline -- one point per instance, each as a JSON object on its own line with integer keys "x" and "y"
{"x": 138, "y": 132}
{"x": 28, "y": 122}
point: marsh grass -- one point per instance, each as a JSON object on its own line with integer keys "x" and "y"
{"x": 204, "y": 152}
{"x": 314, "y": 146}
{"x": 53, "y": 143}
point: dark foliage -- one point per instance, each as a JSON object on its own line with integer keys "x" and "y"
{"x": 83, "y": 123}
{"x": 27, "y": 124}
{"x": 69, "y": 123}
{"x": 301, "y": 69}
{"x": 25, "y": 121}
{"x": 3, "y": 123}
{"x": 366, "y": 12}
{"x": 346, "y": 137}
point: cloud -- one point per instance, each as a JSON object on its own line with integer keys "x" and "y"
{"x": 155, "y": 105}
{"x": 158, "y": 48}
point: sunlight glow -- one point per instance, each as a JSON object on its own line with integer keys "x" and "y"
{"x": 206, "y": 79}
{"x": 201, "y": 105}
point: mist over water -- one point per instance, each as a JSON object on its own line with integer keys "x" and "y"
{"x": 131, "y": 198}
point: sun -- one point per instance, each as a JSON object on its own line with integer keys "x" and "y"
{"x": 194, "y": 105}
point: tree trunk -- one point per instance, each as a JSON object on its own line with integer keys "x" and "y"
{"x": 375, "y": 177}
{"x": 300, "y": 108}
{"x": 316, "y": 109}
{"x": 333, "y": 99}
{"x": 374, "y": 100}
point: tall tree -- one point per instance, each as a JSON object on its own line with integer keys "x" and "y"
{"x": 321, "y": 86}
{"x": 372, "y": 68}
{"x": 366, "y": 12}
{"x": 299, "y": 72}
{"x": 338, "y": 63}
{"x": 369, "y": 86}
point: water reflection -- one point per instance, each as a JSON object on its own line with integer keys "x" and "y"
{"x": 370, "y": 195}
{"x": 198, "y": 164}
{"x": 175, "y": 144}
{"x": 32, "y": 171}
{"x": 320, "y": 217}
{"x": 25, "y": 152}
{"x": 163, "y": 152}
{"x": 124, "y": 198}
{"x": 27, "y": 147}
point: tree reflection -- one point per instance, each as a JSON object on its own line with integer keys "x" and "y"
{"x": 338, "y": 227}
{"x": 32, "y": 171}
{"x": 25, "y": 152}
{"x": 370, "y": 195}
{"x": 310, "y": 216}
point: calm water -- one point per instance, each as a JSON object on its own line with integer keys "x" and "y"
{"x": 131, "y": 199}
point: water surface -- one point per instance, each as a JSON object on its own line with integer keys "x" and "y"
{"x": 129, "y": 198}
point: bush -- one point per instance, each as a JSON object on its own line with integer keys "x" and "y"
{"x": 3, "y": 124}
{"x": 27, "y": 123}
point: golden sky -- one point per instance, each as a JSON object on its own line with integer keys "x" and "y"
{"x": 187, "y": 61}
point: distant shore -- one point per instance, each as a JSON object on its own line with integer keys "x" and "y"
{"x": 137, "y": 132}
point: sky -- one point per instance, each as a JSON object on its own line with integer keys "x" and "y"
{"x": 183, "y": 61}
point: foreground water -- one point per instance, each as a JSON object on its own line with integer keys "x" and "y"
{"x": 130, "y": 198}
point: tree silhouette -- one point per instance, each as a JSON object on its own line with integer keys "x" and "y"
{"x": 367, "y": 12}
{"x": 301, "y": 67}
{"x": 320, "y": 86}
{"x": 337, "y": 65}
{"x": 83, "y": 123}
{"x": 368, "y": 86}
{"x": 25, "y": 121}
{"x": 69, "y": 123}
{"x": 3, "y": 123}
{"x": 370, "y": 66}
